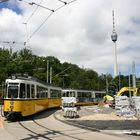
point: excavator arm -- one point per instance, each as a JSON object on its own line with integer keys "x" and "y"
{"x": 122, "y": 90}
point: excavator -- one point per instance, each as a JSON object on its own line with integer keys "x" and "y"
{"x": 110, "y": 98}
{"x": 130, "y": 89}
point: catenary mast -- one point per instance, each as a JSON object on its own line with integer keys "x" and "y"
{"x": 133, "y": 74}
{"x": 114, "y": 39}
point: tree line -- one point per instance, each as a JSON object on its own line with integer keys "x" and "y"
{"x": 64, "y": 75}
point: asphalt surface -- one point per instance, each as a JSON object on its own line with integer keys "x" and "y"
{"x": 104, "y": 124}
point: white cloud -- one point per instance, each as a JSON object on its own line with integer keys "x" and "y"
{"x": 80, "y": 32}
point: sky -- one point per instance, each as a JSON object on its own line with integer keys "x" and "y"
{"x": 78, "y": 33}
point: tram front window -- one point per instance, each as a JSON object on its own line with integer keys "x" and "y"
{"x": 12, "y": 91}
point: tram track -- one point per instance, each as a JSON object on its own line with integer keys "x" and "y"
{"x": 34, "y": 129}
{"x": 40, "y": 126}
{"x": 45, "y": 132}
{"x": 27, "y": 129}
{"x": 46, "y": 126}
{"x": 32, "y": 133}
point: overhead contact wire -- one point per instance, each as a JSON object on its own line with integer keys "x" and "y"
{"x": 40, "y": 26}
{"x": 53, "y": 11}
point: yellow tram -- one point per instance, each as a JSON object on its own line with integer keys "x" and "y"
{"x": 26, "y": 96}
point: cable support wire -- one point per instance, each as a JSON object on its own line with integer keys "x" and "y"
{"x": 33, "y": 3}
{"x": 63, "y": 1}
{"x": 52, "y": 12}
{"x": 33, "y": 12}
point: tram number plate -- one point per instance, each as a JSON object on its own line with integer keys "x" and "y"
{"x": 11, "y": 103}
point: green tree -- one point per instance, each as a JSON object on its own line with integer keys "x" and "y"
{"x": 65, "y": 74}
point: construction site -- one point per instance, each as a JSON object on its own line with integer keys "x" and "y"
{"x": 121, "y": 119}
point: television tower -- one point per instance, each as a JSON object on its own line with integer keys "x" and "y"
{"x": 114, "y": 39}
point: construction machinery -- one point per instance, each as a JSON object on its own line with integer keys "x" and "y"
{"x": 129, "y": 89}
{"x": 110, "y": 98}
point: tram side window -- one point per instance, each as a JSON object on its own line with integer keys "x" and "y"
{"x": 46, "y": 92}
{"x": 96, "y": 95}
{"x": 22, "y": 91}
{"x": 42, "y": 92}
{"x": 4, "y": 91}
{"x": 79, "y": 94}
{"x": 65, "y": 94}
{"x": 71, "y": 94}
{"x": 87, "y": 94}
{"x": 55, "y": 93}
{"x": 28, "y": 91}
{"x": 32, "y": 91}
{"x": 38, "y": 92}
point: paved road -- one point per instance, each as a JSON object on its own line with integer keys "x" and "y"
{"x": 45, "y": 126}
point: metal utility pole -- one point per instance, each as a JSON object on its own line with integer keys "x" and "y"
{"x": 106, "y": 84}
{"x": 27, "y": 34}
{"x": 47, "y": 72}
{"x": 129, "y": 85}
{"x": 119, "y": 80}
{"x": 50, "y": 75}
{"x": 133, "y": 74}
{"x": 114, "y": 39}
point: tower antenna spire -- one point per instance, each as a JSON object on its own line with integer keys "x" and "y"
{"x": 113, "y": 21}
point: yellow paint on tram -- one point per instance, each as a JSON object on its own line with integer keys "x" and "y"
{"x": 30, "y": 107}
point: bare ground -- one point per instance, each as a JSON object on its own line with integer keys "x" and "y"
{"x": 103, "y": 118}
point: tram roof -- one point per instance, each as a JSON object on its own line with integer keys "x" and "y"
{"x": 83, "y": 90}
{"x": 28, "y": 78}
